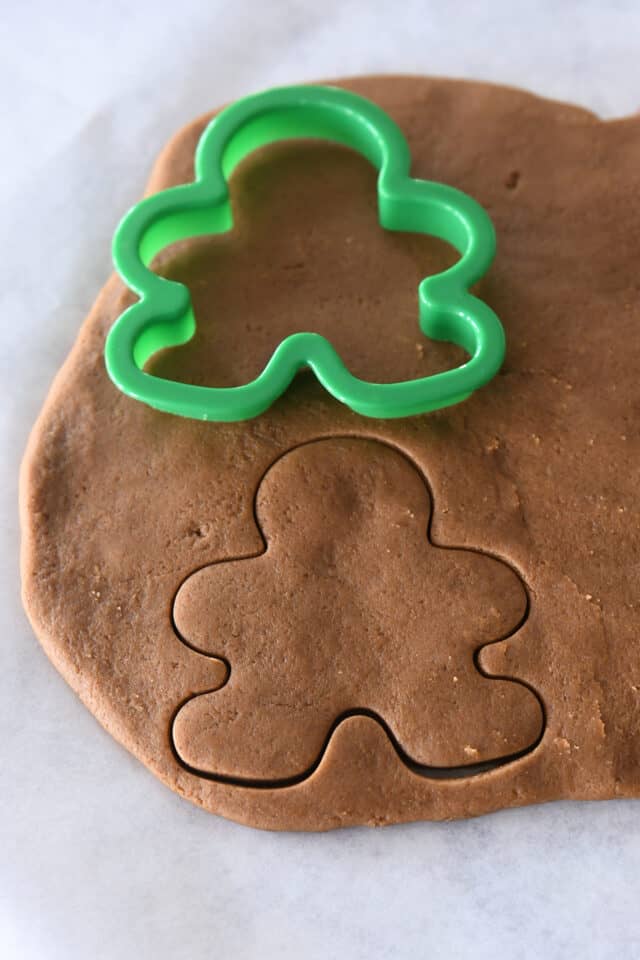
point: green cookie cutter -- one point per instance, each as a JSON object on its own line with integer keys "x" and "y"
{"x": 163, "y": 316}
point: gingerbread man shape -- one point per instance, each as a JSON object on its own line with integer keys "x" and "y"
{"x": 349, "y": 608}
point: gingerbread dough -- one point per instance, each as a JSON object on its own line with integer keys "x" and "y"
{"x": 185, "y": 622}
{"x": 349, "y": 609}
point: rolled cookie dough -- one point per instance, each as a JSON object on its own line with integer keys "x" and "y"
{"x": 175, "y": 571}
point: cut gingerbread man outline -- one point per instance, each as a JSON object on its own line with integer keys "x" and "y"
{"x": 397, "y": 622}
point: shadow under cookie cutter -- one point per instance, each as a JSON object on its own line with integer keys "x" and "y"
{"x": 163, "y": 316}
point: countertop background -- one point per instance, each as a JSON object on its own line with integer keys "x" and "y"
{"x": 97, "y": 858}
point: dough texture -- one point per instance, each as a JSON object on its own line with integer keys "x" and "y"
{"x": 312, "y": 619}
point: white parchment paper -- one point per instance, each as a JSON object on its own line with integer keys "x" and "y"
{"x": 97, "y": 858}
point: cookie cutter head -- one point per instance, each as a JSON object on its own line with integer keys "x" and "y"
{"x": 163, "y": 315}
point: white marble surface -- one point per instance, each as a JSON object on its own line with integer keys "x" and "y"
{"x": 98, "y": 859}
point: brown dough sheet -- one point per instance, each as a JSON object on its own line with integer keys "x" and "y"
{"x": 531, "y": 486}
